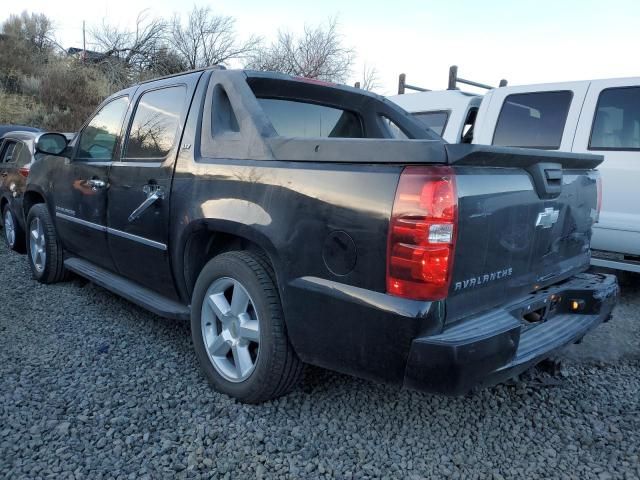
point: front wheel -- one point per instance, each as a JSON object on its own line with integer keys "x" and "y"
{"x": 238, "y": 329}
{"x": 43, "y": 246}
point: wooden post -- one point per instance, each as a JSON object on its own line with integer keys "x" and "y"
{"x": 402, "y": 80}
{"x": 453, "y": 77}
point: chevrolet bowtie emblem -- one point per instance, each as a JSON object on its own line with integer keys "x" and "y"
{"x": 547, "y": 218}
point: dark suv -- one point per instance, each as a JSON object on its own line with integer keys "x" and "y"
{"x": 296, "y": 221}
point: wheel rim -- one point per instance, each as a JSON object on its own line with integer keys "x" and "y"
{"x": 9, "y": 228}
{"x": 37, "y": 246}
{"x": 230, "y": 329}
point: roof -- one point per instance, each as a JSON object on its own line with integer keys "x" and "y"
{"x": 21, "y": 135}
{"x": 436, "y": 100}
{"x": 11, "y": 128}
{"x": 88, "y": 55}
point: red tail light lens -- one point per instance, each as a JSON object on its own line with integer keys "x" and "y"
{"x": 24, "y": 171}
{"x": 422, "y": 234}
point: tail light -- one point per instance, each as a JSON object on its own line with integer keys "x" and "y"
{"x": 599, "y": 204}
{"x": 422, "y": 234}
{"x": 24, "y": 171}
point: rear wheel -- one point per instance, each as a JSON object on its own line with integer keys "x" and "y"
{"x": 238, "y": 329}
{"x": 43, "y": 246}
{"x": 13, "y": 232}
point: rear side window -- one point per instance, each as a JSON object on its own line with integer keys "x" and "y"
{"x": 155, "y": 124}
{"x": 7, "y": 152}
{"x": 533, "y": 120}
{"x": 16, "y": 153}
{"x": 300, "y": 119}
{"x": 436, "y": 121}
{"x": 616, "y": 125}
{"x": 21, "y": 155}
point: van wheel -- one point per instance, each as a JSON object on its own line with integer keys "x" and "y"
{"x": 43, "y": 246}
{"x": 238, "y": 329}
{"x": 13, "y": 232}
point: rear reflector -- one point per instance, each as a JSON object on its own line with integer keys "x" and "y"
{"x": 422, "y": 234}
{"x": 24, "y": 171}
{"x": 599, "y": 204}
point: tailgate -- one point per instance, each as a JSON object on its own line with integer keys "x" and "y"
{"x": 524, "y": 222}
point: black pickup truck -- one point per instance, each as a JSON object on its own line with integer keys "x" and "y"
{"x": 294, "y": 221}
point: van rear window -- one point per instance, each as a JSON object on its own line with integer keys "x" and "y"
{"x": 436, "y": 121}
{"x": 292, "y": 118}
{"x": 533, "y": 120}
{"x": 616, "y": 125}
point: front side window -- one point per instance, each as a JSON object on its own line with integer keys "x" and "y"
{"x": 99, "y": 137}
{"x": 155, "y": 124}
{"x": 310, "y": 120}
{"x": 533, "y": 120}
{"x": 436, "y": 121}
{"x": 616, "y": 125}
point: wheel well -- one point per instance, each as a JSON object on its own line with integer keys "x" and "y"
{"x": 203, "y": 245}
{"x": 30, "y": 199}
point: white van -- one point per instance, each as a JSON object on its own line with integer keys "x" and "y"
{"x": 593, "y": 116}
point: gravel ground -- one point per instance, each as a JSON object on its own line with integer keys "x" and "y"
{"x": 93, "y": 387}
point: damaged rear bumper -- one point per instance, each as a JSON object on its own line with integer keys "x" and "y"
{"x": 499, "y": 344}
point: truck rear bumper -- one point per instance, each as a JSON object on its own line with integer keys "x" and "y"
{"x": 497, "y": 345}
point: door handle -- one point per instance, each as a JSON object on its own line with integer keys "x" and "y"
{"x": 96, "y": 183}
{"x": 154, "y": 193}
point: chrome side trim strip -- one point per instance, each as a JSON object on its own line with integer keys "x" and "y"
{"x": 136, "y": 238}
{"x": 79, "y": 221}
{"x": 112, "y": 231}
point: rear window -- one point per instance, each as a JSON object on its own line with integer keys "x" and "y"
{"x": 616, "y": 125}
{"x": 533, "y": 120}
{"x": 436, "y": 121}
{"x": 301, "y": 119}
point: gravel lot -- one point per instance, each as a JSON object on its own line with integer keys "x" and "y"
{"x": 92, "y": 386}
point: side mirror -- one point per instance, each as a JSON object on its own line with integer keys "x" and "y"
{"x": 51, "y": 143}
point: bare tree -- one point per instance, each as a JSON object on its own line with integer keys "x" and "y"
{"x": 318, "y": 53}
{"x": 207, "y": 39}
{"x": 370, "y": 78}
{"x": 134, "y": 48}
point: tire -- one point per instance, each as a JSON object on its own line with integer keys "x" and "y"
{"x": 43, "y": 242}
{"x": 13, "y": 232}
{"x": 275, "y": 367}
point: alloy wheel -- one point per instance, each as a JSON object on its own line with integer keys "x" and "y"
{"x": 37, "y": 244}
{"x": 230, "y": 329}
{"x": 9, "y": 228}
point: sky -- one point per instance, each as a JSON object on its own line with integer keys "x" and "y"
{"x": 522, "y": 41}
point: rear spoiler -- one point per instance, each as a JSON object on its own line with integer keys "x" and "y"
{"x": 489, "y": 156}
